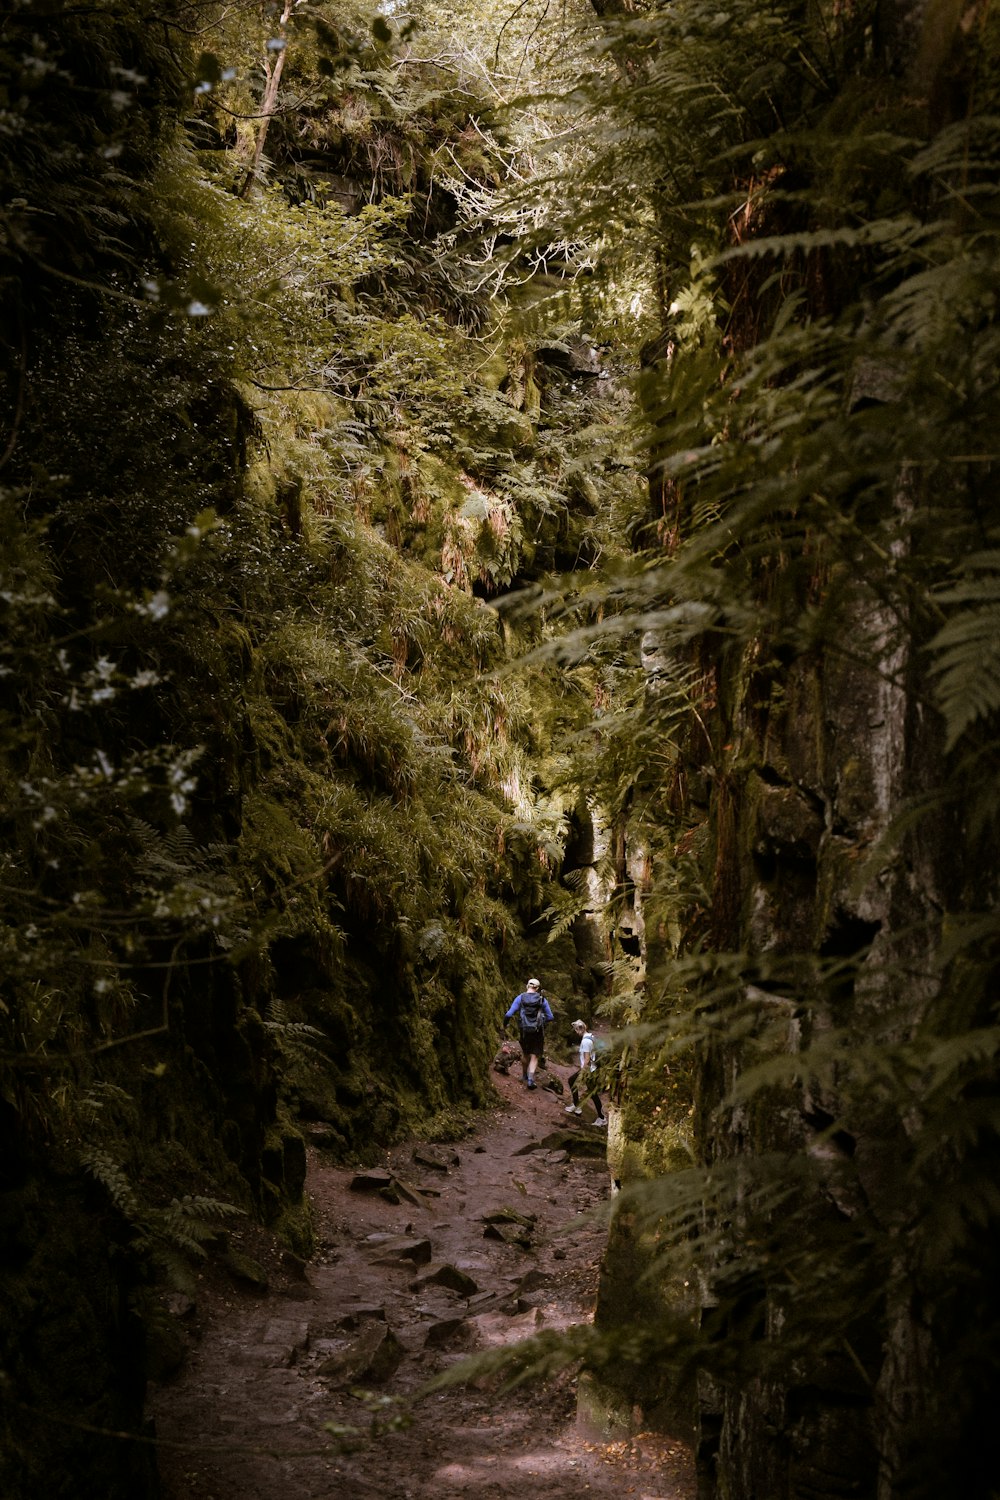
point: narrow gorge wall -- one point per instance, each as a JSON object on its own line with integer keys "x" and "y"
{"x": 809, "y": 1226}
{"x": 824, "y": 916}
{"x": 801, "y": 808}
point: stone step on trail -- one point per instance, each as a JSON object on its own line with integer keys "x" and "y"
{"x": 401, "y": 1191}
{"x": 398, "y": 1249}
{"x": 444, "y": 1274}
{"x": 374, "y": 1353}
{"x": 447, "y": 1331}
{"x": 392, "y": 1188}
{"x": 511, "y": 1227}
{"x": 575, "y": 1142}
{"x": 511, "y": 1234}
{"x": 280, "y": 1343}
{"x": 510, "y": 1216}
{"x": 438, "y": 1158}
{"x": 371, "y": 1181}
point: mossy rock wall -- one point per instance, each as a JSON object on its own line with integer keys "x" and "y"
{"x": 801, "y": 791}
{"x": 295, "y": 836}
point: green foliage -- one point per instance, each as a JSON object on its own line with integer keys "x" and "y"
{"x": 270, "y": 450}
{"x": 266, "y": 755}
{"x": 810, "y": 251}
{"x": 964, "y": 650}
{"x": 241, "y": 622}
{"x": 169, "y": 1237}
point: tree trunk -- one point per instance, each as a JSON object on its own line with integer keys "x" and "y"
{"x": 272, "y": 72}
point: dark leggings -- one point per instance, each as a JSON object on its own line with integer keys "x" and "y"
{"x": 593, "y": 1095}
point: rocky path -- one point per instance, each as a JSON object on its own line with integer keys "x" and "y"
{"x": 296, "y": 1389}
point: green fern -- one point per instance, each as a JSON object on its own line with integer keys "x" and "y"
{"x": 170, "y": 1237}
{"x": 110, "y": 1175}
{"x": 966, "y": 650}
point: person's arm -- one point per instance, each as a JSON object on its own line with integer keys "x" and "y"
{"x": 516, "y": 1006}
{"x": 547, "y": 1010}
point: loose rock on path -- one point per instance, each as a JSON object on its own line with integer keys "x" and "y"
{"x": 294, "y": 1392}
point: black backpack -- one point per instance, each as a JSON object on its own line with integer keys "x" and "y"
{"x": 531, "y": 1013}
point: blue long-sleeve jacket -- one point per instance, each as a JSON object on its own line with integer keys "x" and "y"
{"x": 530, "y": 995}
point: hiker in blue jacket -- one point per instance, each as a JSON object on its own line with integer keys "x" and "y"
{"x": 533, "y": 1012}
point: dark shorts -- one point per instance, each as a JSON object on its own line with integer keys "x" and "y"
{"x": 533, "y": 1042}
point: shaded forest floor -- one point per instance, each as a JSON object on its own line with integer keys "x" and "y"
{"x": 350, "y": 1340}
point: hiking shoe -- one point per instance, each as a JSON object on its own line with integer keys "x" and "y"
{"x": 531, "y": 1083}
{"x": 601, "y": 1120}
{"x": 573, "y": 1109}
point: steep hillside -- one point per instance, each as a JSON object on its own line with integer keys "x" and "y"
{"x": 278, "y": 828}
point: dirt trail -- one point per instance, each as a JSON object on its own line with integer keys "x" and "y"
{"x": 268, "y": 1371}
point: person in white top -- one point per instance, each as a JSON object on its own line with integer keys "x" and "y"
{"x": 588, "y": 1067}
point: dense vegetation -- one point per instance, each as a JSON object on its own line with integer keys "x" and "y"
{"x": 278, "y": 833}
{"x": 814, "y": 199}
{"x": 307, "y": 314}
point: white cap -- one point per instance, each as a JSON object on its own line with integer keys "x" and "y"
{"x": 534, "y": 984}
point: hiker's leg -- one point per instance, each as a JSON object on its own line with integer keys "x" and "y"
{"x": 571, "y": 1081}
{"x": 532, "y": 1044}
{"x": 598, "y": 1106}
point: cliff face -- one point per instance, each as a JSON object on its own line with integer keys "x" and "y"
{"x": 276, "y": 822}
{"x": 812, "y": 1209}
{"x": 787, "y": 1229}
{"x": 820, "y": 779}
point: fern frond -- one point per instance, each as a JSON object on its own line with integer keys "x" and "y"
{"x": 966, "y": 650}
{"x": 562, "y": 916}
{"x": 196, "y": 1208}
{"x": 111, "y": 1176}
